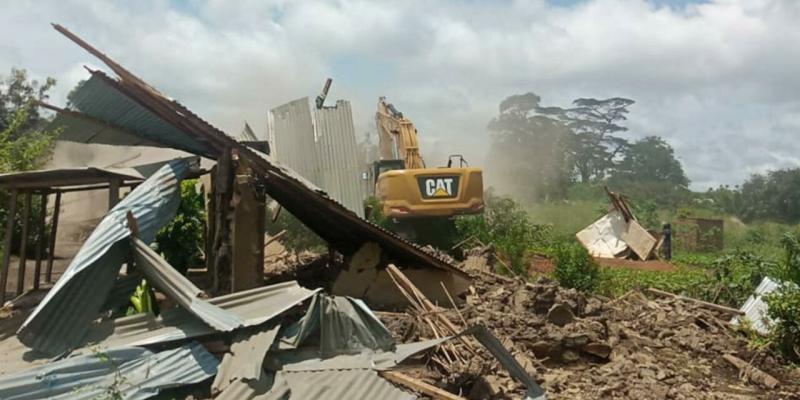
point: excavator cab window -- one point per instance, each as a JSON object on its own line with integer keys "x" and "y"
{"x": 382, "y": 166}
{"x": 462, "y": 162}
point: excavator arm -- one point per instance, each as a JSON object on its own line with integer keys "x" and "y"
{"x": 397, "y": 136}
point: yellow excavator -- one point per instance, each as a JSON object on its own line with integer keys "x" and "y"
{"x": 412, "y": 194}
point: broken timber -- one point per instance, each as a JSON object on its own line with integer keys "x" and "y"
{"x": 701, "y": 303}
{"x": 418, "y": 385}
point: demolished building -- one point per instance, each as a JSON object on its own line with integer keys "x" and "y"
{"x": 281, "y": 336}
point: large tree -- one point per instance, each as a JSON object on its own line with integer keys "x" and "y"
{"x": 651, "y": 159}
{"x": 529, "y": 156}
{"x": 594, "y": 124}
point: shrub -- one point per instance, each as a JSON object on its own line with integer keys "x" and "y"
{"x": 506, "y": 225}
{"x": 574, "y": 268}
{"x": 784, "y": 309}
{"x": 181, "y": 241}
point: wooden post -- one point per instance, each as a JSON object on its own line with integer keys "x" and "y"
{"x": 23, "y": 243}
{"x": 12, "y": 212}
{"x": 113, "y": 193}
{"x": 40, "y": 232}
{"x": 48, "y": 276}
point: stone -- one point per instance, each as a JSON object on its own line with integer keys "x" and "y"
{"x": 560, "y": 315}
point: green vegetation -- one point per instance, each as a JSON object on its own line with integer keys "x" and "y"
{"x": 615, "y": 282}
{"x": 181, "y": 241}
{"x": 24, "y": 145}
{"x": 506, "y": 225}
{"x": 574, "y": 268}
{"x": 142, "y": 300}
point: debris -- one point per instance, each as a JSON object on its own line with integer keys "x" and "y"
{"x": 419, "y": 386}
{"x": 177, "y": 287}
{"x": 752, "y": 373}
{"x": 127, "y": 372}
{"x": 755, "y": 308}
{"x": 62, "y": 318}
{"x": 246, "y": 356}
{"x": 617, "y": 232}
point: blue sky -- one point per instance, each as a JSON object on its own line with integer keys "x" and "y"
{"x": 717, "y": 78}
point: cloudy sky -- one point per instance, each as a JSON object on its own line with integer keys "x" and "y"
{"x": 718, "y": 78}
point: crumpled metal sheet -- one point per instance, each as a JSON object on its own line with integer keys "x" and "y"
{"x": 254, "y": 307}
{"x": 246, "y": 356}
{"x": 333, "y": 384}
{"x": 134, "y": 373}
{"x": 62, "y": 318}
{"x": 180, "y": 289}
{"x": 341, "y": 325}
{"x": 755, "y": 308}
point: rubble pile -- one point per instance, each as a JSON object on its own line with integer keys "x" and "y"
{"x": 586, "y": 347}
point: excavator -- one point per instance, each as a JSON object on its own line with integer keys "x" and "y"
{"x": 415, "y": 197}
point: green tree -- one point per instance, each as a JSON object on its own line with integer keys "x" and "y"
{"x": 651, "y": 159}
{"x": 24, "y": 145}
{"x": 529, "y": 153}
{"x": 594, "y": 123}
{"x": 18, "y": 92}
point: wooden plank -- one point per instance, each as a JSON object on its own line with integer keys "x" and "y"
{"x": 41, "y": 223}
{"x": 23, "y": 243}
{"x": 12, "y": 212}
{"x": 418, "y": 386}
{"x": 48, "y": 276}
{"x": 700, "y": 303}
{"x": 113, "y": 192}
{"x": 752, "y": 373}
{"x": 638, "y": 239}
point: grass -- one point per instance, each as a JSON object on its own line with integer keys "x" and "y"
{"x": 615, "y": 282}
{"x": 566, "y": 218}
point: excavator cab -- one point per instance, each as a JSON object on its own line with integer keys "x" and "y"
{"x": 406, "y": 188}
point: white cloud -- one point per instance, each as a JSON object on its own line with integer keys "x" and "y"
{"x": 716, "y": 79}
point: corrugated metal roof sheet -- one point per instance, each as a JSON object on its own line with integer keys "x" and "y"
{"x": 353, "y": 384}
{"x": 98, "y": 100}
{"x": 254, "y": 307}
{"x": 341, "y": 325}
{"x": 337, "y": 156}
{"x": 323, "y": 151}
{"x": 62, "y": 318}
{"x": 246, "y": 356}
{"x": 293, "y": 133}
{"x": 77, "y": 127}
{"x": 180, "y": 289}
{"x": 135, "y": 373}
{"x": 59, "y": 177}
{"x": 330, "y": 220}
{"x": 755, "y": 308}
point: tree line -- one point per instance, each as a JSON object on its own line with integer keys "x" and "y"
{"x": 537, "y": 152}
